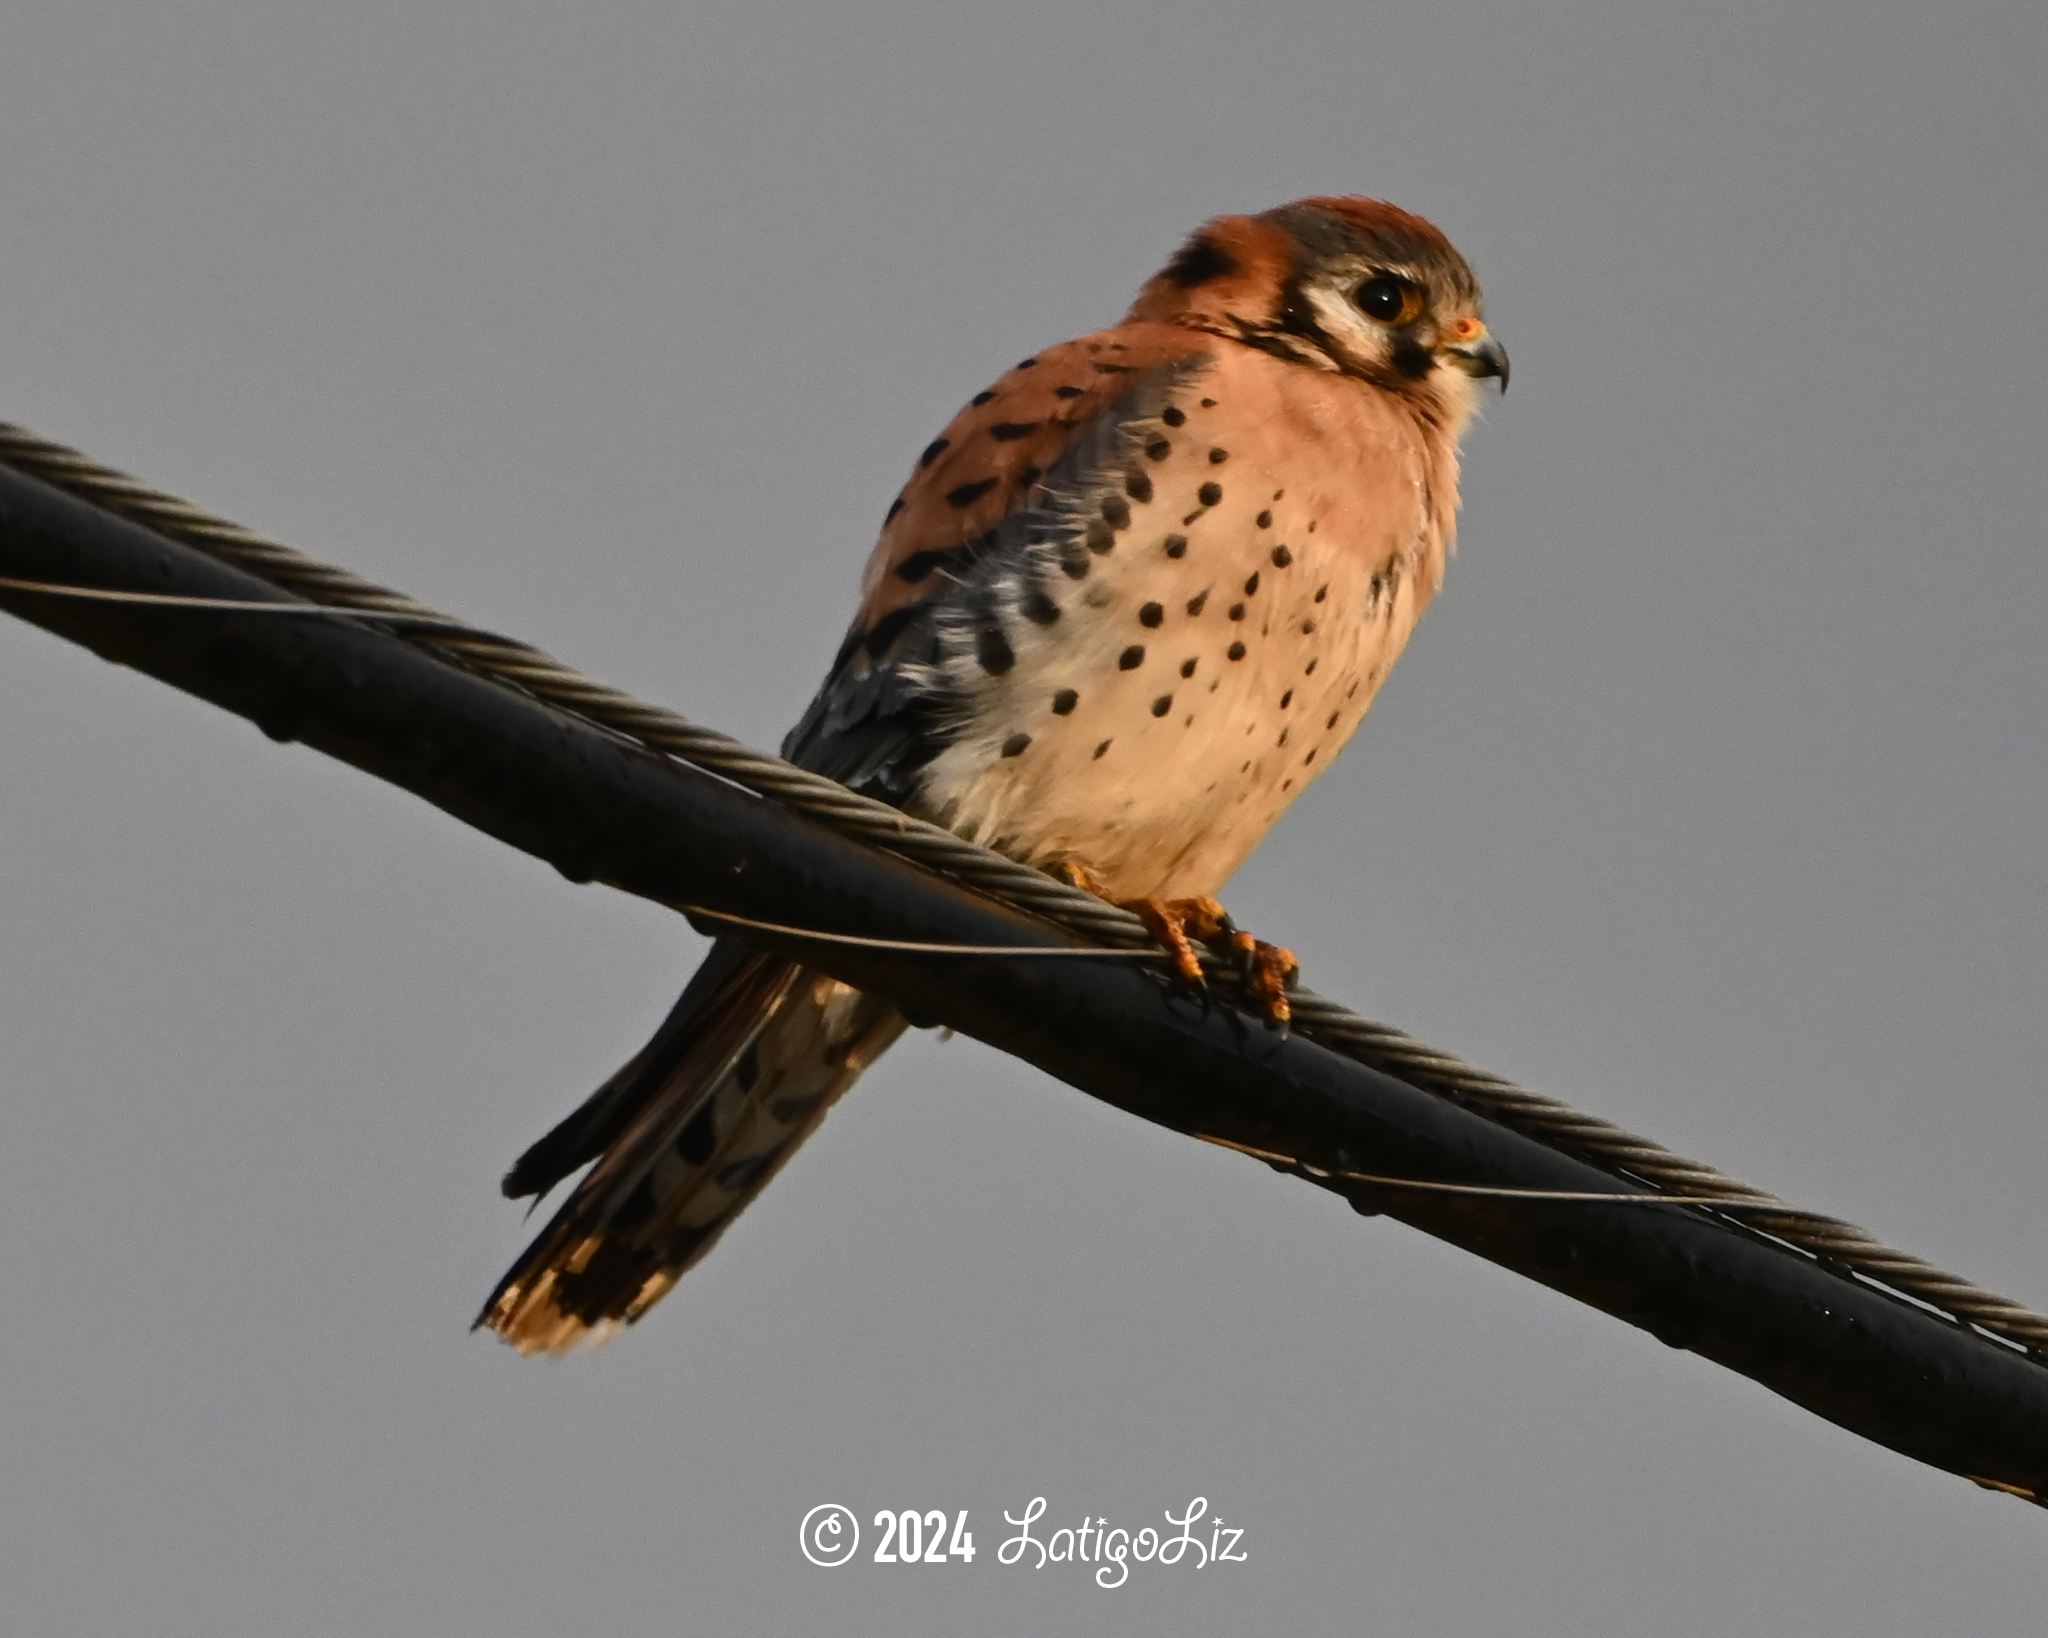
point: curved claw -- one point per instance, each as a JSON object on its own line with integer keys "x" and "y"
{"x": 1269, "y": 973}
{"x": 1176, "y": 923}
{"x": 1266, "y": 970}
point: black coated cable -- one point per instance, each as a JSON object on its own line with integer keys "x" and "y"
{"x": 1841, "y": 1246}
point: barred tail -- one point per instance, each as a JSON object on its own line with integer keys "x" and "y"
{"x": 684, "y": 1136}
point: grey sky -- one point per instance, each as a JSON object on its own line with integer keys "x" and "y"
{"x": 1710, "y": 796}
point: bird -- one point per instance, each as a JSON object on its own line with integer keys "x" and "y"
{"x": 1131, "y": 602}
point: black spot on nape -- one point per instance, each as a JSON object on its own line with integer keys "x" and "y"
{"x": 1251, "y": 586}
{"x": 1237, "y": 611}
{"x": 1236, "y": 651}
{"x": 1009, "y": 431}
{"x": 1116, "y": 511}
{"x": 895, "y": 507}
{"x": 748, "y": 1070}
{"x": 1162, "y": 705}
{"x": 1200, "y": 261}
{"x": 1208, "y": 403}
{"x": 1264, "y": 520}
{"x": 1158, "y": 449}
{"x": 1176, "y": 545}
{"x": 982, "y": 398}
{"x": 1039, "y": 608}
{"x": 1027, "y": 363}
{"x": 968, "y": 493}
{"x": 1069, "y": 392}
{"x": 1104, "y": 746}
{"x": 1174, "y": 416}
{"x": 1151, "y": 614}
{"x": 1282, "y": 557}
{"x": 1198, "y": 601}
{"x": 699, "y": 1138}
{"x": 1138, "y": 486}
{"x": 1218, "y": 456}
{"x": 1016, "y": 744}
{"x": 1074, "y": 560}
{"x": 933, "y": 450}
{"x": 993, "y": 650}
{"x": 1131, "y": 658}
{"x": 1209, "y": 494}
{"x": 1187, "y": 668}
{"x": 1064, "y": 701}
{"x": 918, "y": 565}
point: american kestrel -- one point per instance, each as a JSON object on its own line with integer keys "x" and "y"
{"x": 1131, "y": 602}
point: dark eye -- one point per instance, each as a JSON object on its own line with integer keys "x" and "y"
{"x": 1383, "y": 297}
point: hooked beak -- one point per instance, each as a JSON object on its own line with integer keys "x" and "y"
{"x": 1481, "y": 357}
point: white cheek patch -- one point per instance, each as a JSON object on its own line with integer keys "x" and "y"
{"x": 1357, "y": 338}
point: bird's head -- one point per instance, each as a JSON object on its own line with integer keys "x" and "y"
{"x": 1351, "y": 285}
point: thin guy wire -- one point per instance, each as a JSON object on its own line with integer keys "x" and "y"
{"x": 1486, "y": 1191}
{"x": 1838, "y": 1244}
{"x": 917, "y": 946}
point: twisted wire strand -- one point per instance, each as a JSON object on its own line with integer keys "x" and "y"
{"x": 1844, "y": 1248}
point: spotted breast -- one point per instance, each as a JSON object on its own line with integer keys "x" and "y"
{"x": 1174, "y": 627}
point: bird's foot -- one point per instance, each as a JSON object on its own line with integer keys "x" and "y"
{"x": 1267, "y": 971}
{"x": 1075, "y": 874}
{"x": 1177, "y": 924}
